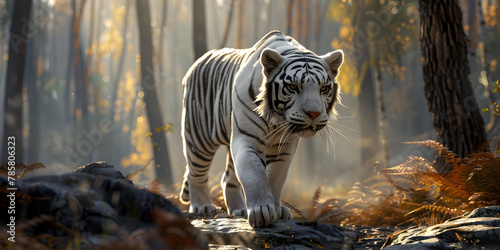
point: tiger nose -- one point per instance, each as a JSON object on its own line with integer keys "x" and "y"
{"x": 311, "y": 114}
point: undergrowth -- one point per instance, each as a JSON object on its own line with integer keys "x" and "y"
{"x": 414, "y": 193}
{"x": 411, "y": 193}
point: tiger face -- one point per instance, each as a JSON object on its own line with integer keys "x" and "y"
{"x": 299, "y": 89}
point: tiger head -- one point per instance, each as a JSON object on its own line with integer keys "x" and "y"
{"x": 299, "y": 89}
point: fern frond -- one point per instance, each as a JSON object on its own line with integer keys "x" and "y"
{"x": 30, "y": 168}
{"x": 314, "y": 202}
{"x": 446, "y": 153}
{"x": 156, "y": 187}
{"x": 40, "y": 220}
{"x": 326, "y": 209}
{"x": 433, "y": 208}
{"x": 294, "y": 210}
{"x": 138, "y": 171}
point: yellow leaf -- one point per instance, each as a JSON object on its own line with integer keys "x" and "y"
{"x": 496, "y": 86}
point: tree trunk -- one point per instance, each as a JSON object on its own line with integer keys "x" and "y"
{"x": 199, "y": 29}
{"x": 256, "y": 21}
{"x": 13, "y": 105}
{"x": 368, "y": 122}
{"x": 289, "y": 14}
{"x": 304, "y": 26}
{"x": 241, "y": 26}
{"x": 78, "y": 60}
{"x": 382, "y": 116}
{"x": 319, "y": 16}
{"x": 30, "y": 78}
{"x": 228, "y": 24}
{"x": 456, "y": 118}
{"x": 121, "y": 62}
{"x": 67, "y": 100}
{"x": 153, "y": 109}
{"x": 487, "y": 77}
{"x": 297, "y": 20}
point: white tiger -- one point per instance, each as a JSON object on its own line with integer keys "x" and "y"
{"x": 258, "y": 102}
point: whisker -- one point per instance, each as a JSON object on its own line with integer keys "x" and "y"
{"x": 275, "y": 124}
{"x": 274, "y": 133}
{"x": 330, "y": 139}
{"x": 274, "y": 130}
{"x": 339, "y": 132}
{"x": 345, "y": 126}
{"x": 281, "y": 143}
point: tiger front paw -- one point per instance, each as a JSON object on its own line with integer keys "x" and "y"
{"x": 262, "y": 215}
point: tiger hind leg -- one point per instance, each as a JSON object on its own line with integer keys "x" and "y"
{"x": 195, "y": 189}
{"x": 233, "y": 195}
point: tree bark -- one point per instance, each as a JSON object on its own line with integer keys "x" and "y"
{"x": 30, "y": 77}
{"x": 228, "y": 24}
{"x": 13, "y": 105}
{"x": 321, "y": 11}
{"x": 289, "y": 14}
{"x": 121, "y": 62}
{"x": 67, "y": 100}
{"x": 148, "y": 82}
{"x": 241, "y": 26}
{"x": 304, "y": 26}
{"x": 456, "y": 118}
{"x": 297, "y": 20}
{"x": 368, "y": 120}
{"x": 199, "y": 29}
{"x": 382, "y": 116}
{"x": 78, "y": 60}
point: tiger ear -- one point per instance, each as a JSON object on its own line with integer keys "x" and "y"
{"x": 270, "y": 60}
{"x": 334, "y": 60}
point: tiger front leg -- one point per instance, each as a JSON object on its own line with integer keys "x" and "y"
{"x": 250, "y": 169}
{"x": 277, "y": 172}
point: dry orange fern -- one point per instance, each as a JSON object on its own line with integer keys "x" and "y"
{"x": 30, "y": 168}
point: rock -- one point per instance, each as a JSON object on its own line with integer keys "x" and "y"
{"x": 479, "y": 229}
{"x": 103, "y": 169}
{"x": 364, "y": 237}
{"x": 94, "y": 201}
{"x": 283, "y": 234}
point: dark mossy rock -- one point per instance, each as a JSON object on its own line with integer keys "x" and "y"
{"x": 103, "y": 169}
{"x": 95, "y": 201}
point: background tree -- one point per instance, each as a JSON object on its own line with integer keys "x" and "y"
{"x": 149, "y": 85}
{"x": 13, "y": 103}
{"x": 457, "y": 121}
{"x": 228, "y": 24}
{"x": 199, "y": 29}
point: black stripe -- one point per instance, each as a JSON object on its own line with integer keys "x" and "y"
{"x": 231, "y": 185}
{"x": 251, "y": 92}
{"x": 273, "y": 160}
{"x": 274, "y": 156}
{"x": 248, "y": 134}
